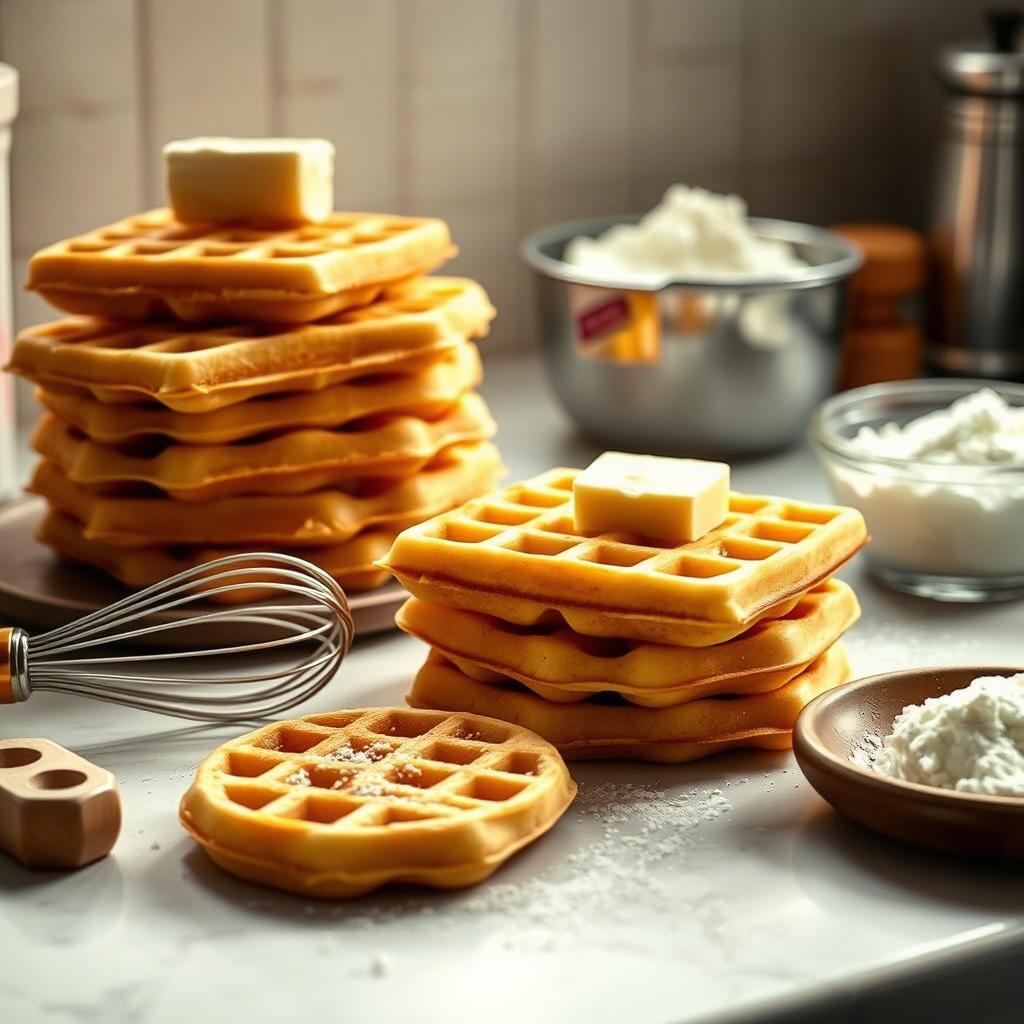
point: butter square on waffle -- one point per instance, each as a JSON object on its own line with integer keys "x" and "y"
{"x": 338, "y": 804}
{"x": 198, "y": 369}
{"x": 151, "y": 266}
{"x": 516, "y": 555}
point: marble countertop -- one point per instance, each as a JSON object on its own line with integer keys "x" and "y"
{"x": 722, "y": 890}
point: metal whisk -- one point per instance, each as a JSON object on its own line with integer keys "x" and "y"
{"x": 302, "y": 613}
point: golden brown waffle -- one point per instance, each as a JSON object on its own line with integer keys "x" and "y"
{"x": 350, "y": 562}
{"x": 565, "y": 667}
{"x": 295, "y": 520}
{"x": 425, "y": 392}
{"x": 291, "y": 463}
{"x": 516, "y": 555}
{"x": 150, "y": 266}
{"x": 335, "y": 805}
{"x": 616, "y": 730}
{"x": 204, "y": 368}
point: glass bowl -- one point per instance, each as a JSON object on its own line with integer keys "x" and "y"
{"x": 950, "y": 532}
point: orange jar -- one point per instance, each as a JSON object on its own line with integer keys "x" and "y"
{"x": 883, "y": 340}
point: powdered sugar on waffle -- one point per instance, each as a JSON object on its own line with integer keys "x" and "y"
{"x": 376, "y": 751}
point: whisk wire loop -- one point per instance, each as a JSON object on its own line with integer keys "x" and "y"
{"x": 304, "y": 614}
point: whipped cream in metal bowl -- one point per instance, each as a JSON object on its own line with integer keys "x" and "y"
{"x": 943, "y": 492}
{"x": 695, "y": 232}
{"x": 691, "y": 231}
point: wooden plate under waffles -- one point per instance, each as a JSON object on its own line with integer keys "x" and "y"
{"x": 39, "y": 591}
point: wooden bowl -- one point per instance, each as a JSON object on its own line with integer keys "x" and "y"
{"x": 836, "y": 730}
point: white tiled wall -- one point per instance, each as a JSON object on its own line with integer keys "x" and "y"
{"x": 499, "y": 115}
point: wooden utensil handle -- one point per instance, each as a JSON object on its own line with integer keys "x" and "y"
{"x": 14, "y": 686}
{"x": 57, "y": 810}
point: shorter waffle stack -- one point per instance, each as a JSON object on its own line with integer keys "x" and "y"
{"x": 609, "y": 646}
{"x": 167, "y": 442}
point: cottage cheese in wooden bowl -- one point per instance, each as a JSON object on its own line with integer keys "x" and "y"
{"x": 937, "y": 469}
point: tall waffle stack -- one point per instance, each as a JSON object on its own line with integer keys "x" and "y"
{"x": 609, "y": 646}
{"x": 233, "y": 388}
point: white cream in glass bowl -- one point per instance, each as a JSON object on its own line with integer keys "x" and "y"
{"x": 937, "y": 469}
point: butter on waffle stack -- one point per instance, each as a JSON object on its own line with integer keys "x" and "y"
{"x": 610, "y": 645}
{"x": 254, "y": 385}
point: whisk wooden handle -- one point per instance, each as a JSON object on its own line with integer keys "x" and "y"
{"x": 13, "y": 679}
{"x": 6, "y": 669}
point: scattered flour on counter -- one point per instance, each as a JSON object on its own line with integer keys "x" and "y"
{"x": 380, "y": 965}
{"x": 641, "y": 826}
{"x": 970, "y": 740}
{"x": 610, "y": 874}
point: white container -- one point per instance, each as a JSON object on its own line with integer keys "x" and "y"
{"x": 949, "y": 531}
{"x": 8, "y": 418}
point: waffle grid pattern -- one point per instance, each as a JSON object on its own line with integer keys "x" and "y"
{"x": 377, "y": 769}
{"x": 154, "y": 236}
{"x": 754, "y": 530}
{"x": 521, "y": 541}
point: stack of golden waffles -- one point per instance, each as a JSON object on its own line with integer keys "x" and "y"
{"x": 610, "y": 646}
{"x": 313, "y": 393}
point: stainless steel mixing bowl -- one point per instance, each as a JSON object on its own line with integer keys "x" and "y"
{"x": 725, "y": 365}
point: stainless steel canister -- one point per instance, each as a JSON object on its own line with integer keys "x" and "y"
{"x": 977, "y": 232}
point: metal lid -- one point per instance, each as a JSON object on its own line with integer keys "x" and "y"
{"x": 8, "y": 94}
{"x": 992, "y": 68}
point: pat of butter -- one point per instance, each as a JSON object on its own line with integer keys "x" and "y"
{"x": 670, "y": 500}
{"x": 215, "y": 179}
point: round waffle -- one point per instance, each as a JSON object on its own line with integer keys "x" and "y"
{"x": 335, "y": 805}
{"x": 612, "y": 729}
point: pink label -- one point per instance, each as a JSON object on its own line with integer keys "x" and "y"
{"x": 600, "y": 320}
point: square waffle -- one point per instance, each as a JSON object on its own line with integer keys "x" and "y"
{"x": 196, "y": 369}
{"x": 335, "y": 805}
{"x": 516, "y": 555}
{"x": 294, "y": 462}
{"x": 150, "y": 266}
{"x": 295, "y": 520}
{"x": 350, "y": 562}
{"x": 566, "y": 667}
{"x": 611, "y": 729}
{"x": 427, "y": 391}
